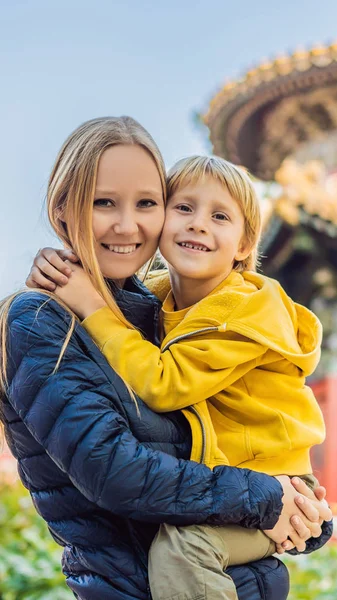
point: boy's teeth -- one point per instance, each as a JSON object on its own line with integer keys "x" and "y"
{"x": 187, "y": 245}
{"x": 121, "y": 249}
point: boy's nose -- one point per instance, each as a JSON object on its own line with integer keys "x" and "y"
{"x": 197, "y": 226}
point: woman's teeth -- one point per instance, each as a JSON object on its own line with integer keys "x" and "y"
{"x": 121, "y": 249}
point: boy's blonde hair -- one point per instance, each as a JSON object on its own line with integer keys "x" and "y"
{"x": 70, "y": 200}
{"x": 196, "y": 169}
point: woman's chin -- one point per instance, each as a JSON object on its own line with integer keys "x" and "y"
{"x": 124, "y": 267}
{"x": 120, "y": 272}
{"x": 117, "y": 274}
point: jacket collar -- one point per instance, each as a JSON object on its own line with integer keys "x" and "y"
{"x": 139, "y": 306}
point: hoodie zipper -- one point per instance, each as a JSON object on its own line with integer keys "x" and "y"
{"x": 191, "y": 408}
{"x": 188, "y": 335}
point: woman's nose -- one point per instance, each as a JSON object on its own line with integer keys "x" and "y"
{"x": 126, "y": 224}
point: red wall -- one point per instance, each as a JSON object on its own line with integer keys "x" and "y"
{"x": 324, "y": 457}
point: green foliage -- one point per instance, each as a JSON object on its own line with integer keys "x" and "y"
{"x": 313, "y": 576}
{"x": 30, "y": 561}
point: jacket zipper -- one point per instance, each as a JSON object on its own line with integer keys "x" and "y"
{"x": 203, "y": 433}
{"x": 191, "y": 408}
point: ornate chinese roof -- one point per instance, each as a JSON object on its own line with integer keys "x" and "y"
{"x": 307, "y": 188}
{"x": 287, "y": 107}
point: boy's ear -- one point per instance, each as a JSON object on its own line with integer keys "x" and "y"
{"x": 244, "y": 250}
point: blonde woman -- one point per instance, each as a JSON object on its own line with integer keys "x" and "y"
{"x": 102, "y": 469}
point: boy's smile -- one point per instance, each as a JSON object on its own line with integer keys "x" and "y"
{"x": 203, "y": 237}
{"x": 194, "y": 246}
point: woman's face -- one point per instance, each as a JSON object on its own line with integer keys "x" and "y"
{"x": 128, "y": 213}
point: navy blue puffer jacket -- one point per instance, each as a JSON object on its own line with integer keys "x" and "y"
{"x": 100, "y": 474}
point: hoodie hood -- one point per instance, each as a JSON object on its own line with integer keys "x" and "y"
{"x": 257, "y": 307}
{"x": 268, "y": 315}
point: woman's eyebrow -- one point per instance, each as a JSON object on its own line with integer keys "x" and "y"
{"x": 105, "y": 192}
{"x": 145, "y": 192}
{"x": 151, "y": 192}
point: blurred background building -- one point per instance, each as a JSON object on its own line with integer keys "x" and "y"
{"x": 280, "y": 122}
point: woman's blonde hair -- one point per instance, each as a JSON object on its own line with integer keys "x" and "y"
{"x": 196, "y": 169}
{"x": 70, "y": 199}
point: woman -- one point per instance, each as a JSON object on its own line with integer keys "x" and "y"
{"x": 102, "y": 469}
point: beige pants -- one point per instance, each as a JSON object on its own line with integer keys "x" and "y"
{"x": 189, "y": 563}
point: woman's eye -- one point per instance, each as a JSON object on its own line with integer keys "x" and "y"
{"x": 103, "y": 202}
{"x": 147, "y": 203}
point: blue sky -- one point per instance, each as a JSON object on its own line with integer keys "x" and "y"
{"x": 67, "y": 61}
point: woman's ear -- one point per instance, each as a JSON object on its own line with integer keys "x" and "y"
{"x": 59, "y": 214}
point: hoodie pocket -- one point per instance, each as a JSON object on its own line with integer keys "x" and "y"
{"x": 233, "y": 438}
{"x": 271, "y": 439}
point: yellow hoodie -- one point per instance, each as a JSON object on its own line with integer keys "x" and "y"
{"x": 236, "y": 364}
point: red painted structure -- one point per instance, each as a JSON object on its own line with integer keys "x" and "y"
{"x": 324, "y": 457}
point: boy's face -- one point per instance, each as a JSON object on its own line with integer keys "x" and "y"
{"x": 203, "y": 233}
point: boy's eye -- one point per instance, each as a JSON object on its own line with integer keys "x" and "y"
{"x": 103, "y": 202}
{"x": 183, "y": 208}
{"x": 221, "y": 217}
{"x": 147, "y": 203}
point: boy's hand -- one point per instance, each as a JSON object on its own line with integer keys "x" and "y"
{"x": 50, "y": 269}
{"x": 79, "y": 293}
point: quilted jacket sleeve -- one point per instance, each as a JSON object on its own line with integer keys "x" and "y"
{"x": 261, "y": 580}
{"x": 75, "y": 415}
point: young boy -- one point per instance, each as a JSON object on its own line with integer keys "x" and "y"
{"x": 234, "y": 357}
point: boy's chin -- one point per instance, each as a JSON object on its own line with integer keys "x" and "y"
{"x": 192, "y": 274}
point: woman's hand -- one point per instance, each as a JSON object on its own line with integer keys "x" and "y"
{"x": 79, "y": 293}
{"x": 50, "y": 269}
{"x": 317, "y": 497}
{"x": 301, "y": 516}
{"x": 324, "y": 511}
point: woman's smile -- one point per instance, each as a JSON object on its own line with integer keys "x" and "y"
{"x": 124, "y": 249}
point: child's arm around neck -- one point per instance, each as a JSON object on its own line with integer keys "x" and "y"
{"x": 197, "y": 360}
